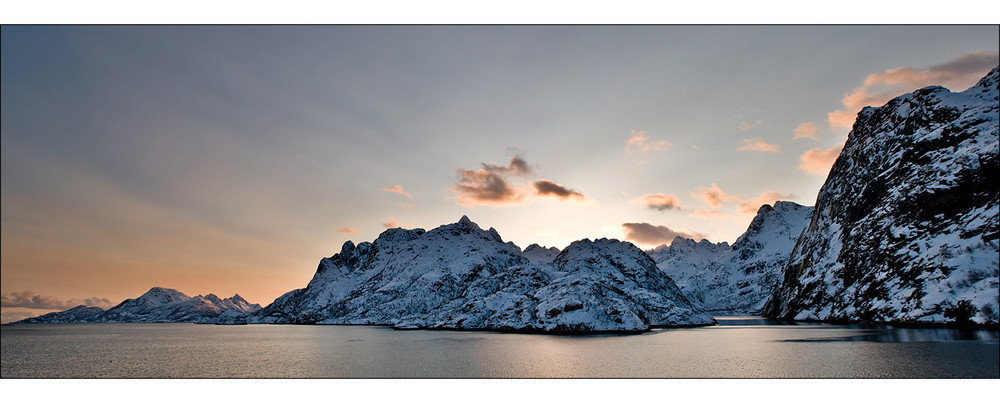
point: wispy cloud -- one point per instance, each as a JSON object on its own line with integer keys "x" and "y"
{"x": 957, "y": 74}
{"x": 392, "y": 223}
{"x": 397, "y": 190}
{"x": 517, "y": 166}
{"x": 747, "y": 126}
{"x": 28, "y": 299}
{"x": 750, "y": 206}
{"x": 546, "y": 187}
{"x": 659, "y": 201}
{"x": 639, "y": 141}
{"x": 712, "y": 195}
{"x": 756, "y": 144}
{"x": 652, "y": 235}
{"x": 494, "y": 185}
{"x": 347, "y": 230}
{"x": 818, "y": 161}
{"x": 806, "y": 130}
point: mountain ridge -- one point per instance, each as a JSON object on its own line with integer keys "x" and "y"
{"x": 159, "y": 304}
{"x": 459, "y": 276}
{"x": 736, "y": 279}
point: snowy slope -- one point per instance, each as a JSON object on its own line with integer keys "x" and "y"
{"x": 738, "y": 278}
{"x": 537, "y": 253}
{"x": 156, "y": 305}
{"x": 78, "y": 314}
{"x": 906, "y": 225}
{"x": 460, "y": 276}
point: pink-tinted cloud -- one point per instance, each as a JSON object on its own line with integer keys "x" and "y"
{"x": 818, "y": 161}
{"x": 639, "y": 141}
{"x": 712, "y": 196}
{"x": 28, "y": 299}
{"x": 548, "y": 188}
{"x": 347, "y": 230}
{"x": 659, "y": 201}
{"x": 652, "y": 235}
{"x": 957, "y": 74}
{"x": 392, "y": 223}
{"x": 747, "y": 126}
{"x": 750, "y": 206}
{"x": 806, "y": 131}
{"x": 397, "y": 190}
{"x": 756, "y": 144}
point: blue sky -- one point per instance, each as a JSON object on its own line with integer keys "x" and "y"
{"x": 231, "y": 158}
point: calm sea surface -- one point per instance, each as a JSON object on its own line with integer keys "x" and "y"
{"x": 737, "y": 348}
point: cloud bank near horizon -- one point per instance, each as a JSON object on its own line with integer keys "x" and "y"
{"x": 28, "y": 299}
{"x": 652, "y": 235}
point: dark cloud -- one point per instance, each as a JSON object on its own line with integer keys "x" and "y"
{"x": 546, "y": 187}
{"x": 517, "y": 166}
{"x": 660, "y": 202}
{"x": 28, "y": 299}
{"x": 484, "y": 187}
{"x": 497, "y": 185}
{"x": 970, "y": 64}
{"x": 649, "y": 234}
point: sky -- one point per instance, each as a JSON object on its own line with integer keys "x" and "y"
{"x": 230, "y": 159}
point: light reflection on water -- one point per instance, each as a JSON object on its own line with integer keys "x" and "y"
{"x": 737, "y": 348}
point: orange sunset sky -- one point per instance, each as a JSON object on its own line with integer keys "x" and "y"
{"x": 230, "y": 159}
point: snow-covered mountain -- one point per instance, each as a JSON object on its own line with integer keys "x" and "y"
{"x": 156, "y": 305}
{"x": 906, "y": 225}
{"x": 459, "y": 276}
{"x": 78, "y": 314}
{"x": 538, "y": 253}
{"x": 738, "y": 278}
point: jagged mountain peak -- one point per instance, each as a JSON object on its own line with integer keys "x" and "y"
{"x": 398, "y": 235}
{"x": 783, "y": 219}
{"x": 737, "y": 278}
{"x": 987, "y": 87}
{"x": 161, "y": 296}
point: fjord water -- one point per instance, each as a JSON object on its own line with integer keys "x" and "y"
{"x": 736, "y": 348}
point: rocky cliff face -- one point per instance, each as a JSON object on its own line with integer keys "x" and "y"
{"x": 736, "y": 279}
{"x": 459, "y": 276}
{"x": 906, "y": 225}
